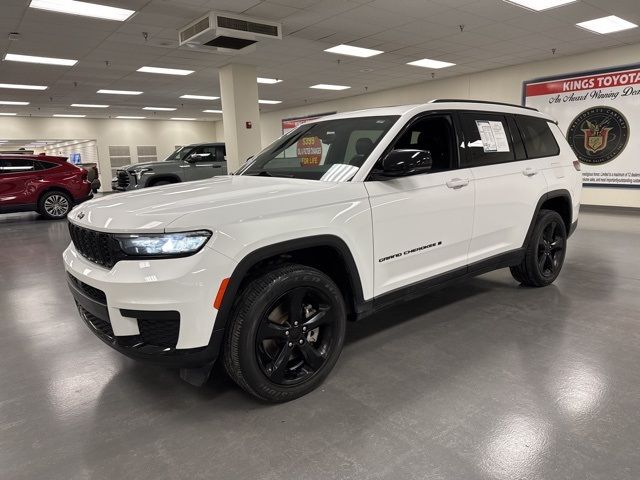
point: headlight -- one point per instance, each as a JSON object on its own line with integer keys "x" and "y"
{"x": 183, "y": 243}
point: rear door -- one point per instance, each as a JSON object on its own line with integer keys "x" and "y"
{"x": 16, "y": 178}
{"x": 507, "y": 184}
{"x": 422, "y": 224}
{"x": 206, "y": 163}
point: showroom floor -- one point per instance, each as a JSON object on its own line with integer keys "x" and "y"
{"x": 483, "y": 380}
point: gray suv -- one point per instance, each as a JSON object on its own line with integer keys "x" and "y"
{"x": 192, "y": 162}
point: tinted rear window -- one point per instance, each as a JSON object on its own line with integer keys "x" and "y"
{"x": 538, "y": 137}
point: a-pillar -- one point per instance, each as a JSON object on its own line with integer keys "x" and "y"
{"x": 241, "y": 115}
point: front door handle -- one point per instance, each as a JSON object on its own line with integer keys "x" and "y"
{"x": 457, "y": 183}
{"x": 529, "y": 172}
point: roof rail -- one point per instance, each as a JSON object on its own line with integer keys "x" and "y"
{"x": 447, "y": 100}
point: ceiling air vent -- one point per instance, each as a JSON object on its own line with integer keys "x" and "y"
{"x": 226, "y": 33}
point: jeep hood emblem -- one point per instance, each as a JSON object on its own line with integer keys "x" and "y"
{"x": 80, "y": 215}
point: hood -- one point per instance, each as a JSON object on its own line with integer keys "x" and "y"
{"x": 148, "y": 164}
{"x": 201, "y": 204}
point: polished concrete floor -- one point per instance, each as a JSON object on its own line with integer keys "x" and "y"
{"x": 486, "y": 380}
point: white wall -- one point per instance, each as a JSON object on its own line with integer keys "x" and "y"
{"x": 165, "y": 135}
{"x": 504, "y": 85}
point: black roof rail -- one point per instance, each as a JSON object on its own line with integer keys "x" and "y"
{"x": 447, "y": 100}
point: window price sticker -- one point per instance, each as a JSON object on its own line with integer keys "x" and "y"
{"x": 493, "y": 137}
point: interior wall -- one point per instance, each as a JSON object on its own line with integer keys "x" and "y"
{"x": 503, "y": 85}
{"x": 164, "y": 135}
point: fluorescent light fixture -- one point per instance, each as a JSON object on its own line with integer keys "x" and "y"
{"x": 68, "y": 115}
{"x": 88, "y": 105}
{"x": 160, "y": 109}
{"x": 328, "y": 86}
{"x": 7, "y": 102}
{"x": 11, "y": 57}
{"x": 183, "y": 119}
{"x": 539, "y": 5}
{"x": 212, "y": 111}
{"x": 84, "y": 9}
{"x": 354, "y": 51}
{"x": 606, "y": 25}
{"x": 269, "y": 102}
{"x": 119, "y": 92}
{"x": 199, "y": 97}
{"x": 268, "y": 81}
{"x": 18, "y": 86}
{"x": 165, "y": 71}
{"x": 129, "y": 117}
{"x": 6, "y": 114}
{"x": 427, "y": 63}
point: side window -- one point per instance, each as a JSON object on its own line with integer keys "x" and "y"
{"x": 220, "y": 154}
{"x": 17, "y": 165}
{"x": 436, "y": 134}
{"x": 487, "y": 139}
{"x": 40, "y": 165}
{"x": 206, "y": 153}
{"x": 538, "y": 138}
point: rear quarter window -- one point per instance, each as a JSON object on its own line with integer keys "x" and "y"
{"x": 538, "y": 137}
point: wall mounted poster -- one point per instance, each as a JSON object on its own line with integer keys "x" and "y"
{"x": 599, "y": 113}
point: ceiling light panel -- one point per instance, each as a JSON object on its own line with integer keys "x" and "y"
{"x": 6, "y": 114}
{"x": 199, "y": 97}
{"x": 17, "y": 86}
{"x": 88, "y": 105}
{"x": 84, "y": 9}
{"x": 130, "y": 117}
{"x": 12, "y": 57}
{"x": 606, "y": 25}
{"x": 268, "y": 81}
{"x": 428, "y": 63}
{"x": 212, "y": 111}
{"x": 539, "y": 5}
{"x": 160, "y": 109}
{"x": 269, "y": 102}
{"x": 165, "y": 71}
{"x": 68, "y": 115}
{"x": 327, "y": 86}
{"x": 354, "y": 51}
{"x": 183, "y": 119}
{"x": 7, "y": 102}
{"x": 119, "y": 92}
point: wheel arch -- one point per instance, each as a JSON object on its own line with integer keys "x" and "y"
{"x": 53, "y": 188}
{"x": 172, "y": 177}
{"x": 557, "y": 200}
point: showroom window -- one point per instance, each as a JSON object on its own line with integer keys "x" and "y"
{"x": 487, "y": 139}
{"x": 538, "y": 138}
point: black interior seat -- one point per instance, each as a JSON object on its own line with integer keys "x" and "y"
{"x": 364, "y": 146}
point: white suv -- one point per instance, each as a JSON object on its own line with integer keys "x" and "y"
{"x": 341, "y": 217}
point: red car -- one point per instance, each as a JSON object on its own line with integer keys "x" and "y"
{"x": 50, "y": 186}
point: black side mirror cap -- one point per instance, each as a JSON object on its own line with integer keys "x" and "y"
{"x": 404, "y": 162}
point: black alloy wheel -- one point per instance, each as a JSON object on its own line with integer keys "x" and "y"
{"x": 550, "y": 250}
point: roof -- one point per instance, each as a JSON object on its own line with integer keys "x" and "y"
{"x": 34, "y": 156}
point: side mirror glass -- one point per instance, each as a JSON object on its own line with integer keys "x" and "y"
{"x": 400, "y": 163}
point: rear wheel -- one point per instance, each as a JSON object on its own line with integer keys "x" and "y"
{"x": 545, "y": 252}
{"x": 286, "y": 334}
{"x": 55, "y": 205}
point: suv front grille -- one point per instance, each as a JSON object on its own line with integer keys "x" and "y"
{"x": 92, "y": 292}
{"x": 123, "y": 178}
{"x": 162, "y": 333}
{"x": 98, "y": 247}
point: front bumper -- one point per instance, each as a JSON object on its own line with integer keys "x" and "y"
{"x": 155, "y": 310}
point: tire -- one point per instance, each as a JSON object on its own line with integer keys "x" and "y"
{"x": 545, "y": 252}
{"x": 55, "y": 205}
{"x": 269, "y": 353}
{"x": 161, "y": 182}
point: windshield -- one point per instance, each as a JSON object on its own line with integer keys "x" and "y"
{"x": 179, "y": 154}
{"x": 333, "y": 150}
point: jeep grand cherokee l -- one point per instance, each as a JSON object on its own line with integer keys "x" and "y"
{"x": 336, "y": 219}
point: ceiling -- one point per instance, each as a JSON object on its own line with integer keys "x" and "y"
{"x": 495, "y": 34}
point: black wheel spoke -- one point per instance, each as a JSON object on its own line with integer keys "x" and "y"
{"x": 295, "y": 306}
{"x": 542, "y": 261}
{"x": 312, "y": 357}
{"x": 557, "y": 244}
{"x": 277, "y": 368}
{"x": 271, "y": 330}
{"x": 320, "y": 318}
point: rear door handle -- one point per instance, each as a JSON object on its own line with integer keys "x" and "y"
{"x": 457, "y": 183}
{"x": 529, "y": 172}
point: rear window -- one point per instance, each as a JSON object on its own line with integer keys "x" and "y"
{"x": 487, "y": 139}
{"x": 538, "y": 138}
{"x": 40, "y": 165}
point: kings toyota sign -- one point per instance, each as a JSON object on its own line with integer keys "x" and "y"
{"x": 597, "y": 111}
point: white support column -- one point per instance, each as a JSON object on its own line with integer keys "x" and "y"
{"x": 239, "y": 92}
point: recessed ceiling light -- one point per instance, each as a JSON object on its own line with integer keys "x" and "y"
{"x": 199, "y": 97}
{"x": 68, "y": 115}
{"x": 606, "y": 25}
{"x": 182, "y": 118}
{"x": 7, "y": 102}
{"x": 212, "y": 111}
{"x": 539, "y": 5}
{"x": 354, "y": 51}
{"x": 6, "y": 114}
{"x": 11, "y": 57}
{"x": 327, "y": 86}
{"x": 427, "y": 63}
{"x": 129, "y": 117}
{"x": 17, "y": 86}
{"x": 269, "y": 102}
{"x": 88, "y": 105}
{"x": 268, "y": 81}
{"x": 119, "y": 92}
{"x": 165, "y": 71}
{"x": 160, "y": 109}
{"x": 84, "y": 9}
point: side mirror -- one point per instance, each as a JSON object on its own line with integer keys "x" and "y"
{"x": 400, "y": 163}
{"x": 191, "y": 158}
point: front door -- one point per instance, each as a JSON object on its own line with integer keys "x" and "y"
{"x": 422, "y": 223}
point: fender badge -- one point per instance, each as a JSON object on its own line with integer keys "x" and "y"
{"x": 80, "y": 215}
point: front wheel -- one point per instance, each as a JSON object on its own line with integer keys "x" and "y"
{"x": 55, "y": 205}
{"x": 545, "y": 252}
{"x": 286, "y": 333}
